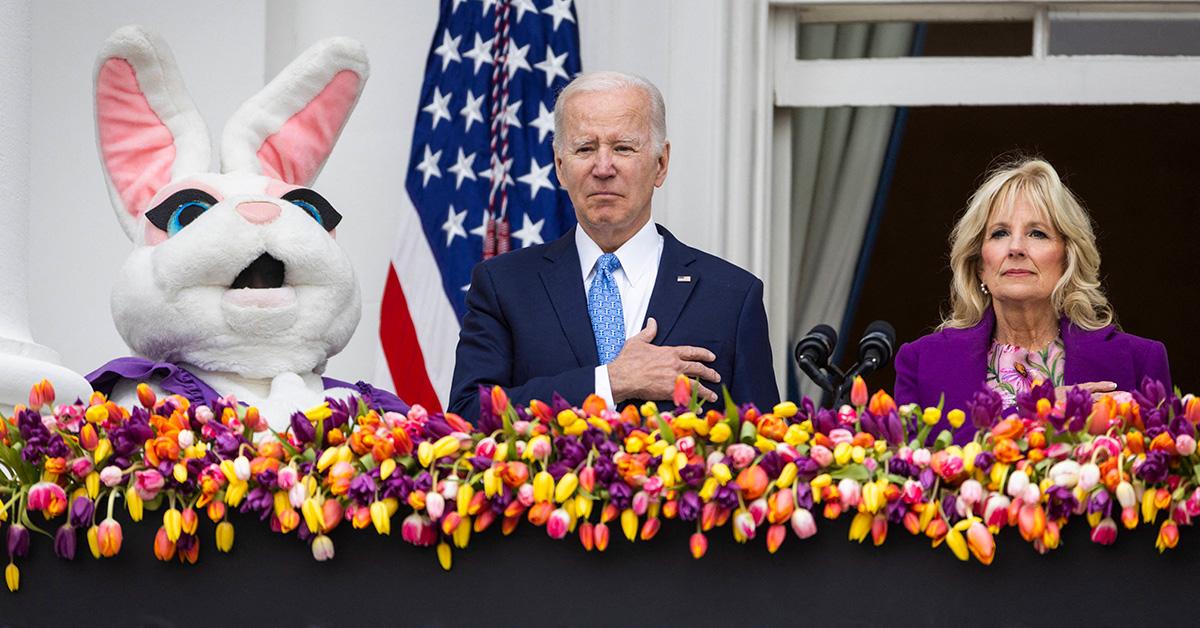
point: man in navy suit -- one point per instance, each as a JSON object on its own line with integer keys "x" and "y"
{"x": 617, "y": 306}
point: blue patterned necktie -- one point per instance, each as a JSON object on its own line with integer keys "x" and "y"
{"x": 604, "y": 308}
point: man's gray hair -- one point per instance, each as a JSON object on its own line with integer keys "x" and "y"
{"x": 610, "y": 81}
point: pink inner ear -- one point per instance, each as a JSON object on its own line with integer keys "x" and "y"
{"x": 296, "y": 151}
{"x": 137, "y": 148}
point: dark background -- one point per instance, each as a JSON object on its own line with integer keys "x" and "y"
{"x": 1134, "y": 167}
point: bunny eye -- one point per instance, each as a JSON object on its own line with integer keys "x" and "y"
{"x": 180, "y": 209}
{"x": 316, "y": 206}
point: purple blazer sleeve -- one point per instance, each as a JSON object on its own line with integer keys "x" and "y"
{"x": 906, "y": 363}
{"x": 1150, "y": 360}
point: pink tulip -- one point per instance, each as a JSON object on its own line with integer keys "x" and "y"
{"x": 1185, "y": 445}
{"x": 435, "y": 505}
{"x": 913, "y": 492}
{"x": 1105, "y": 533}
{"x": 851, "y": 493}
{"x": 148, "y": 483}
{"x": 558, "y": 523}
{"x": 641, "y": 502}
{"x": 48, "y": 498}
{"x": 995, "y": 511}
{"x": 287, "y": 477}
{"x": 111, "y": 476}
{"x": 841, "y": 435}
{"x": 803, "y": 523}
{"x": 418, "y": 530}
{"x": 821, "y": 455}
{"x": 741, "y": 454}
{"x": 981, "y": 543}
{"x": 109, "y": 537}
{"x": 971, "y": 492}
{"x": 758, "y": 510}
{"x": 743, "y": 523}
{"x": 922, "y": 458}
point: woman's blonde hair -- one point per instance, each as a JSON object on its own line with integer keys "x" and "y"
{"x": 1077, "y": 294}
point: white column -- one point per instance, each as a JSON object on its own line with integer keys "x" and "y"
{"x": 22, "y": 361}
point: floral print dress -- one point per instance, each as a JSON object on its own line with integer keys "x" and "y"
{"x": 1013, "y": 370}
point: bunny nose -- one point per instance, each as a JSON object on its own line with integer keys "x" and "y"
{"x": 258, "y": 212}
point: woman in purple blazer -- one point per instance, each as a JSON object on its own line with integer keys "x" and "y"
{"x": 1026, "y": 303}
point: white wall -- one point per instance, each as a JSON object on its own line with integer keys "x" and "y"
{"x": 226, "y": 51}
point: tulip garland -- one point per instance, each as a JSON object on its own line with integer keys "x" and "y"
{"x": 1129, "y": 457}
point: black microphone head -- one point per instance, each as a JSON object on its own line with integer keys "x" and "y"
{"x": 879, "y": 342}
{"x": 817, "y": 345}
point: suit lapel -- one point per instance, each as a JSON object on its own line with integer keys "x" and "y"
{"x": 673, "y": 286}
{"x": 563, "y": 280}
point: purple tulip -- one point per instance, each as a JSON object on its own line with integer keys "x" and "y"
{"x": 620, "y": 494}
{"x": 64, "y": 542}
{"x": 81, "y": 512}
{"x": 18, "y": 540}
{"x": 302, "y": 428}
{"x": 690, "y": 506}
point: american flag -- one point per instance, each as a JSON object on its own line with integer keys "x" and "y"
{"x": 481, "y": 175}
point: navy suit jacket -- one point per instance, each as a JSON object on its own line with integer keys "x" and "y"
{"x": 527, "y": 327}
{"x": 953, "y": 362}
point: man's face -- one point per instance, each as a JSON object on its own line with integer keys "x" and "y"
{"x": 608, "y": 163}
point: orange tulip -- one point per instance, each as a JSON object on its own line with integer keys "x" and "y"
{"x": 753, "y": 481}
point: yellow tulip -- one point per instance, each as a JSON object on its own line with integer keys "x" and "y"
{"x": 103, "y": 450}
{"x": 282, "y": 503}
{"x": 576, "y": 428}
{"x": 721, "y": 473}
{"x": 633, "y": 444}
{"x": 463, "y": 500}
{"x": 629, "y": 523}
{"x": 858, "y": 454}
{"x": 93, "y": 539}
{"x": 445, "y": 446}
{"x": 787, "y": 475}
{"x": 931, "y": 416}
{"x": 600, "y": 424}
{"x": 444, "y": 555}
{"x": 224, "y": 536}
{"x": 92, "y": 483}
{"x": 462, "y": 533}
{"x": 236, "y": 492}
{"x": 709, "y": 489}
{"x": 764, "y": 444}
{"x": 970, "y": 451}
{"x": 787, "y": 409}
{"x": 386, "y": 468}
{"x": 173, "y": 522}
{"x": 134, "y": 504}
{"x": 326, "y": 460}
{"x": 821, "y": 481}
{"x": 179, "y": 472}
{"x": 314, "y": 517}
{"x": 860, "y": 527}
{"x": 96, "y": 414}
{"x": 492, "y": 484}
{"x": 957, "y": 543}
{"x": 657, "y": 447}
{"x": 649, "y": 409}
{"x": 319, "y": 412}
{"x": 1149, "y": 508}
{"x": 501, "y": 454}
{"x": 956, "y": 418}
{"x": 997, "y": 475}
{"x": 720, "y": 433}
{"x": 543, "y": 486}
{"x": 424, "y": 454}
{"x": 567, "y": 417}
{"x": 841, "y": 453}
{"x": 583, "y": 506}
{"x": 566, "y": 487}
{"x": 12, "y": 577}
{"x": 381, "y": 519}
{"x": 795, "y": 436}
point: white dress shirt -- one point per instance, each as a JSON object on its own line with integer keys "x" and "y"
{"x": 639, "y": 258}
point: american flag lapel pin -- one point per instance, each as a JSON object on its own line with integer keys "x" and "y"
{"x": 683, "y": 279}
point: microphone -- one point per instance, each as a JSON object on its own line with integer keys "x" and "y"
{"x": 876, "y": 348}
{"x": 812, "y": 355}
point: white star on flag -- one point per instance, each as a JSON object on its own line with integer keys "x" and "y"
{"x": 470, "y": 111}
{"x": 429, "y": 166}
{"x": 462, "y": 168}
{"x": 440, "y": 107}
{"x": 561, "y": 10}
{"x": 454, "y": 225}
{"x": 487, "y": 5}
{"x": 481, "y": 53}
{"x": 448, "y": 51}
{"x": 509, "y": 115}
{"x": 544, "y": 122}
{"x": 501, "y": 169}
{"x": 481, "y": 230}
{"x": 522, "y": 6}
{"x": 537, "y": 178}
{"x": 516, "y": 58}
{"x": 530, "y": 232}
{"x": 552, "y": 65}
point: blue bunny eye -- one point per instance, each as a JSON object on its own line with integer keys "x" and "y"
{"x": 316, "y": 206}
{"x": 310, "y": 208}
{"x": 184, "y": 215}
{"x": 180, "y": 209}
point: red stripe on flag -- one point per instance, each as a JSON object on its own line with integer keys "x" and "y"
{"x": 399, "y": 339}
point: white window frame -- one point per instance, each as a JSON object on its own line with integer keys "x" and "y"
{"x": 784, "y": 82}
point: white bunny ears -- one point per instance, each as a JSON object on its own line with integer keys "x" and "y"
{"x": 149, "y": 132}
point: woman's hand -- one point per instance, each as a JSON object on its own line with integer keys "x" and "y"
{"x": 1098, "y": 389}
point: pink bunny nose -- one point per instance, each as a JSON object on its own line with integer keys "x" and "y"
{"x": 258, "y": 212}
